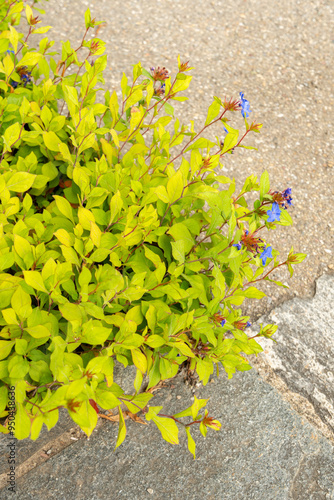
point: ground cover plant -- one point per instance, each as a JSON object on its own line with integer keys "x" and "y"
{"x": 120, "y": 241}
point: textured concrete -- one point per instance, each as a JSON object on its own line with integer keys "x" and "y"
{"x": 264, "y": 451}
{"x": 26, "y": 448}
{"x": 304, "y": 352}
{"x": 281, "y": 55}
{"x": 30, "y": 454}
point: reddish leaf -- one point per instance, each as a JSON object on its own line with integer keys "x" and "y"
{"x": 94, "y": 405}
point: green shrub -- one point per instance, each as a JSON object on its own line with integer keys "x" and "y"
{"x": 119, "y": 241}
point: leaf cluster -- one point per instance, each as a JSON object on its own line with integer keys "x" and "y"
{"x": 117, "y": 237}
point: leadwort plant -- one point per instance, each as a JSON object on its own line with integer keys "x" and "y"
{"x": 120, "y": 242}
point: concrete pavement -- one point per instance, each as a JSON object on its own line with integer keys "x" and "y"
{"x": 276, "y": 440}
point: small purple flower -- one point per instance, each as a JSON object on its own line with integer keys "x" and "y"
{"x": 287, "y": 197}
{"x": 275, "y": 212}
{"x": 26, "y": 78}
{"x": 246, "y": 232}
{"x": 248, "y": 324}
{"x": 9, "y": 51}
{"x": 238, "y": 245}
{"x": 266, "y": 254}
{"x": 245, "y": 106}
{"x": 223, "y": 322}
{"x": 225, "y": 130}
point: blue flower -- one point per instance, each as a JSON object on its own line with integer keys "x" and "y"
{"x": 287, "y": 197}
{"x": 245, "y": 109}
{"x": 238, "y": 245}
{"x": 9, "y": 51}
{"x": 25, "y": 77}
{"x": 266, "y": 254}
{"x": 274, "y": 213}
{"x": 225, "y": 130}
{"x": 248, "y": 324}
{"x": 223, "y": 322}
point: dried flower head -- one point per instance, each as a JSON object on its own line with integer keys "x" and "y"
{"x": 34, "y": 20}
{"x": 242, "y": 324}
{"x": 184, "y": 67}
{"x": 252, "y": 242}
{"x": 94, "y": 47}
{"x": 231, "y": 105}
{"x": 159, "y": 74}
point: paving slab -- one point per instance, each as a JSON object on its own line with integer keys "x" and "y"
{"x": 260, "y": 431}
{"x": 264, "y": 450}
{"x": 276, "y": 440}
{"x": 300, "y": 363}
{"x": 30, "y": 454}
{"x": 280, "y": 54}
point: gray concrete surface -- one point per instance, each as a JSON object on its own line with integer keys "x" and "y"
{"x": 304, "y": 352}
{"x": 280, "y": 54}
{"x": 276, "y": 440}
{"x": 264, "y": 451}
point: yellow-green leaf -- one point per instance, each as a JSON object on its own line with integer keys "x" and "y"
{"x": 30, "y": 59}
{"x": 64, "y": 207}
{"x": 29, "y": 13}
{"x": 139, "y": 360}
{"x": 114, "y": 135}
{"x": 38, "y": 331}
{"x": 9, "y": 316}
{"x": 36, "y": 427}
{"x": 22, "y": 422}
{"x": 13, "y": 37}
{"x": 64, "y": 237}
{"x": 191, "y": 443}
{"x": 85, "y": 217}
{"x": 20, "y": 182}
{"x": 175, "y": 187}
{"x": 213, "y": 111}
{"x": 5, "y": 348}
{"x": 168, "y": 429}
{"x": 162, "y": 194}
{"x": 22, "y": 246}
{"x": 121, "y": 429}
{"x": 51, "y": 141}
{"x": 21, "y": 303}
{"x": 34, "y": 279}
{"x": 95, "y": 234}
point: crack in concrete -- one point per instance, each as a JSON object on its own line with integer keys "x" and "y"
{"x": 298, "y": 402}
{"x": 299, "y": 366}
{"x": 40, "y": 456}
